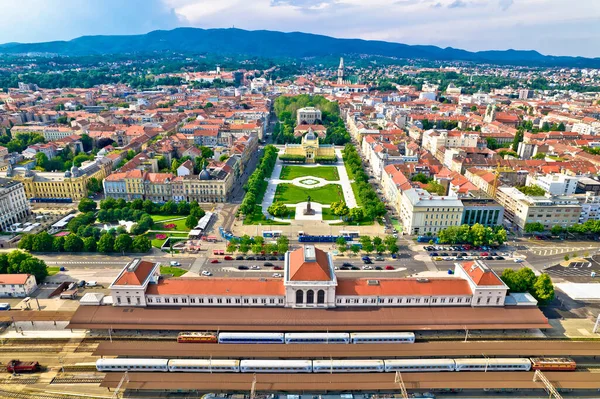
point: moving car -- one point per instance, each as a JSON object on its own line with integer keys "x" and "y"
{"x": 214, "y": 261}
{"x": 277, "y": 275}
{"x": 206, "y": 273}
{"x": 175, "y": 263}
{"x": 242, "y": 267}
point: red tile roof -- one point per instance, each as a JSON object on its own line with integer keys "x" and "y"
{"x": 403, "y": 286}
{"x": 481, "y": 274}
{"x": 137, "y": 276}
{"x": 13, "y": 278}
{"x": 217, "y": 286}
{"x": 301, "y": 269}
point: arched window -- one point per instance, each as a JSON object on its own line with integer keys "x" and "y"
{"x": 321, "y": 296}
{"x": 299, "y": 296}
{"x": 310, "y": 296}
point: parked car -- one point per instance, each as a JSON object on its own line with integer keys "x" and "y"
{"x": 206, "y": 273}
{"x": 278, "y": 268}
{"x": 250, "y": 258}
{"x": 380, "y": 258}
{"x": 272, "y": 258}
{"x": 345, "y": 268}
{"x": 239, "y": 257}
{"x": 367, "y": 267}
{"x": 518, "y": 260}
{"x": 347, "y": 264}
{"x": 394, "y": 256}
{"x": 276, "y": 275}
{"x": 388, "y": 267}
{"x": 281, "y": 257}
{"x": 242, "y": 267}
{"x": 355, "y": 268}
{"x": 366, "y": 258}
{"x": 434, "y": 254}
{"x": 228, "y": 257}
{"x": 255, "y": 267}
{"x": 268, "y": 264}
{"x": 378, "y": 268}
{"x": 175, "y": 263}
{"x": 367, "y": 262}
{"x": 499, "y": 258}
{"x": 261, "y": 258}
{"x": 214, "y": 261}
{"x": 81, "y": 284}
{"x": 91, "y": 284}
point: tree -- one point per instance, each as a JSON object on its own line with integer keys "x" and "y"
{"x": 123, "y": 243}
{"x": 41, "y": 160}
{"x": 26, "y": 242}
{"x": 257, "y": 248}
{"x": 539, "y": 156}
{"x": 513, "y": 282}
{"x": 435, "y": 188}
{"x": 392, "y": 248}
{"x": 87, "y": 142}
{"x": 42, "y": 242}
{"x": 356, "y": 214}
{"x": 106, "y": 243}
{"x": 278, "y": 209}
{"x": 355, "y": 249}
{"x": 342, "y": 248}
{"x": 58, "y": 244}
{"x": 148, "y": 206}
{"x": 244, "y": 248}
{"x": 232, "y": 247}
{"x": 364, "y": 240}
{"x": 87, "y": 205}
{"x": 94, "y": 185}
{"x": 271, "y": 248}
{"x": 473, "y": 108}
{"x": 420, "y": 177}
{"x": 377, "y": 241}
{"x": 21, "y": 262}
{"x": 543, "y": 289}
{"x": 526, "y": 277}
{"x": 389, "y": 240}
{"x": 89, "y": 244}
{"x": 197, "y": 212}
{"x": 73, "y": 243}
{"x": 283, "y": 244}
{"x": 191, "y": 221}
{"x": 557, "y": 230}
{"x": 380, "y": 248}
{"x": 141, "y": 244}
{"x": 534, "y": 227}
{"x": 183, "y": 208}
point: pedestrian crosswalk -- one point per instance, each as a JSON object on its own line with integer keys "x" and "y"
{"x": 569, "y": 272}
{"x": 563, "y": 250}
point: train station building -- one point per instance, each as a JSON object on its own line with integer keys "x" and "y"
{"x": 309, "y": 281}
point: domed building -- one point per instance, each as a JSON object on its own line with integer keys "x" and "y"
{"x": 310, "y": 148}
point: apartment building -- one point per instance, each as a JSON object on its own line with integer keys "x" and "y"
{"x": 435, "y": 139}
{"x": 422, "y": 212}
{"x": 17, "y": 285}
{"x": 554, "y": 184}
{"x": 521, "y": 209}
{"x": 14, "y": 207}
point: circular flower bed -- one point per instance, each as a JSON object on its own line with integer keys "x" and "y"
{"x": 161, "y": 236}
{"x": 170, "y": 226}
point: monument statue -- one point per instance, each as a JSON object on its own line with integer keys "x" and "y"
{"x": 308, "y": 210}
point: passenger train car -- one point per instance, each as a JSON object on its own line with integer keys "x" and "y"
{"x": 250, "y": 338}
{"x": 197, "y": 337}
{"x": 315, "y": 366}
{"x": 276, "y": 366}
{"x": 132, "y": 364}
{"x": 516, "y": 364}
{"x": 382, "y": 337}
{"x": 317, "y": 338}
{"x": 553, "y": 364}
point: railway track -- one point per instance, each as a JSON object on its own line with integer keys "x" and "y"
{"x": 31, "y": 394}
{"x": 17, "y": 380}
{"x": 34, "y": 348}
{"x": 77, "y": 379}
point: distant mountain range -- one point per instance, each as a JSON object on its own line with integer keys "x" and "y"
{"x": 271, "y": 44}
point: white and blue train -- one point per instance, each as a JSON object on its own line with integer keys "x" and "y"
{"x": 313, "y": 366}
{"x": 315, "y": 338}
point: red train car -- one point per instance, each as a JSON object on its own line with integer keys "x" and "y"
{"x": 197, "y": 337}
{"x": 553, "y": 364}
{"x": 17, "y": 366}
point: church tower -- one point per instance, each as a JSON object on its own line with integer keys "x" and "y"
{"x": 340, "y": 73}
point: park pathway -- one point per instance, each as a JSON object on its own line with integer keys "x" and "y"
{"x": 275, "y": 180}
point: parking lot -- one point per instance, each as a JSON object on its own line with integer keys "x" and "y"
{"x": 461, "y": 253}
{"x": 581, "y": 271}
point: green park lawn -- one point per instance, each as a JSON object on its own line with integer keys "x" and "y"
{"x": 156, "y": 243}
{"x": 161, "y": 218}
{"x": 324, "y": 172}
{"x": 159, "y": 223}
{"x": 328, "y": 214}
{"x": 256, "y": 218}
{"x": 290, "y": 194}
{"x": 175, "y": 271}
{"x": 52, "y": 270}
{"x": 355, "y": 191}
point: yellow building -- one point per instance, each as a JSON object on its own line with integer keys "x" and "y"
{"x": 310, "y": 148}
{"x": 70, "y": 184}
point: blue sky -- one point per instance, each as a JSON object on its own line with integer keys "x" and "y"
{"x": 558, "y": 27}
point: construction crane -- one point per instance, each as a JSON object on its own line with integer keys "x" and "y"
{"x": 497, "y": 171}
{"x": 539, "y": 376}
